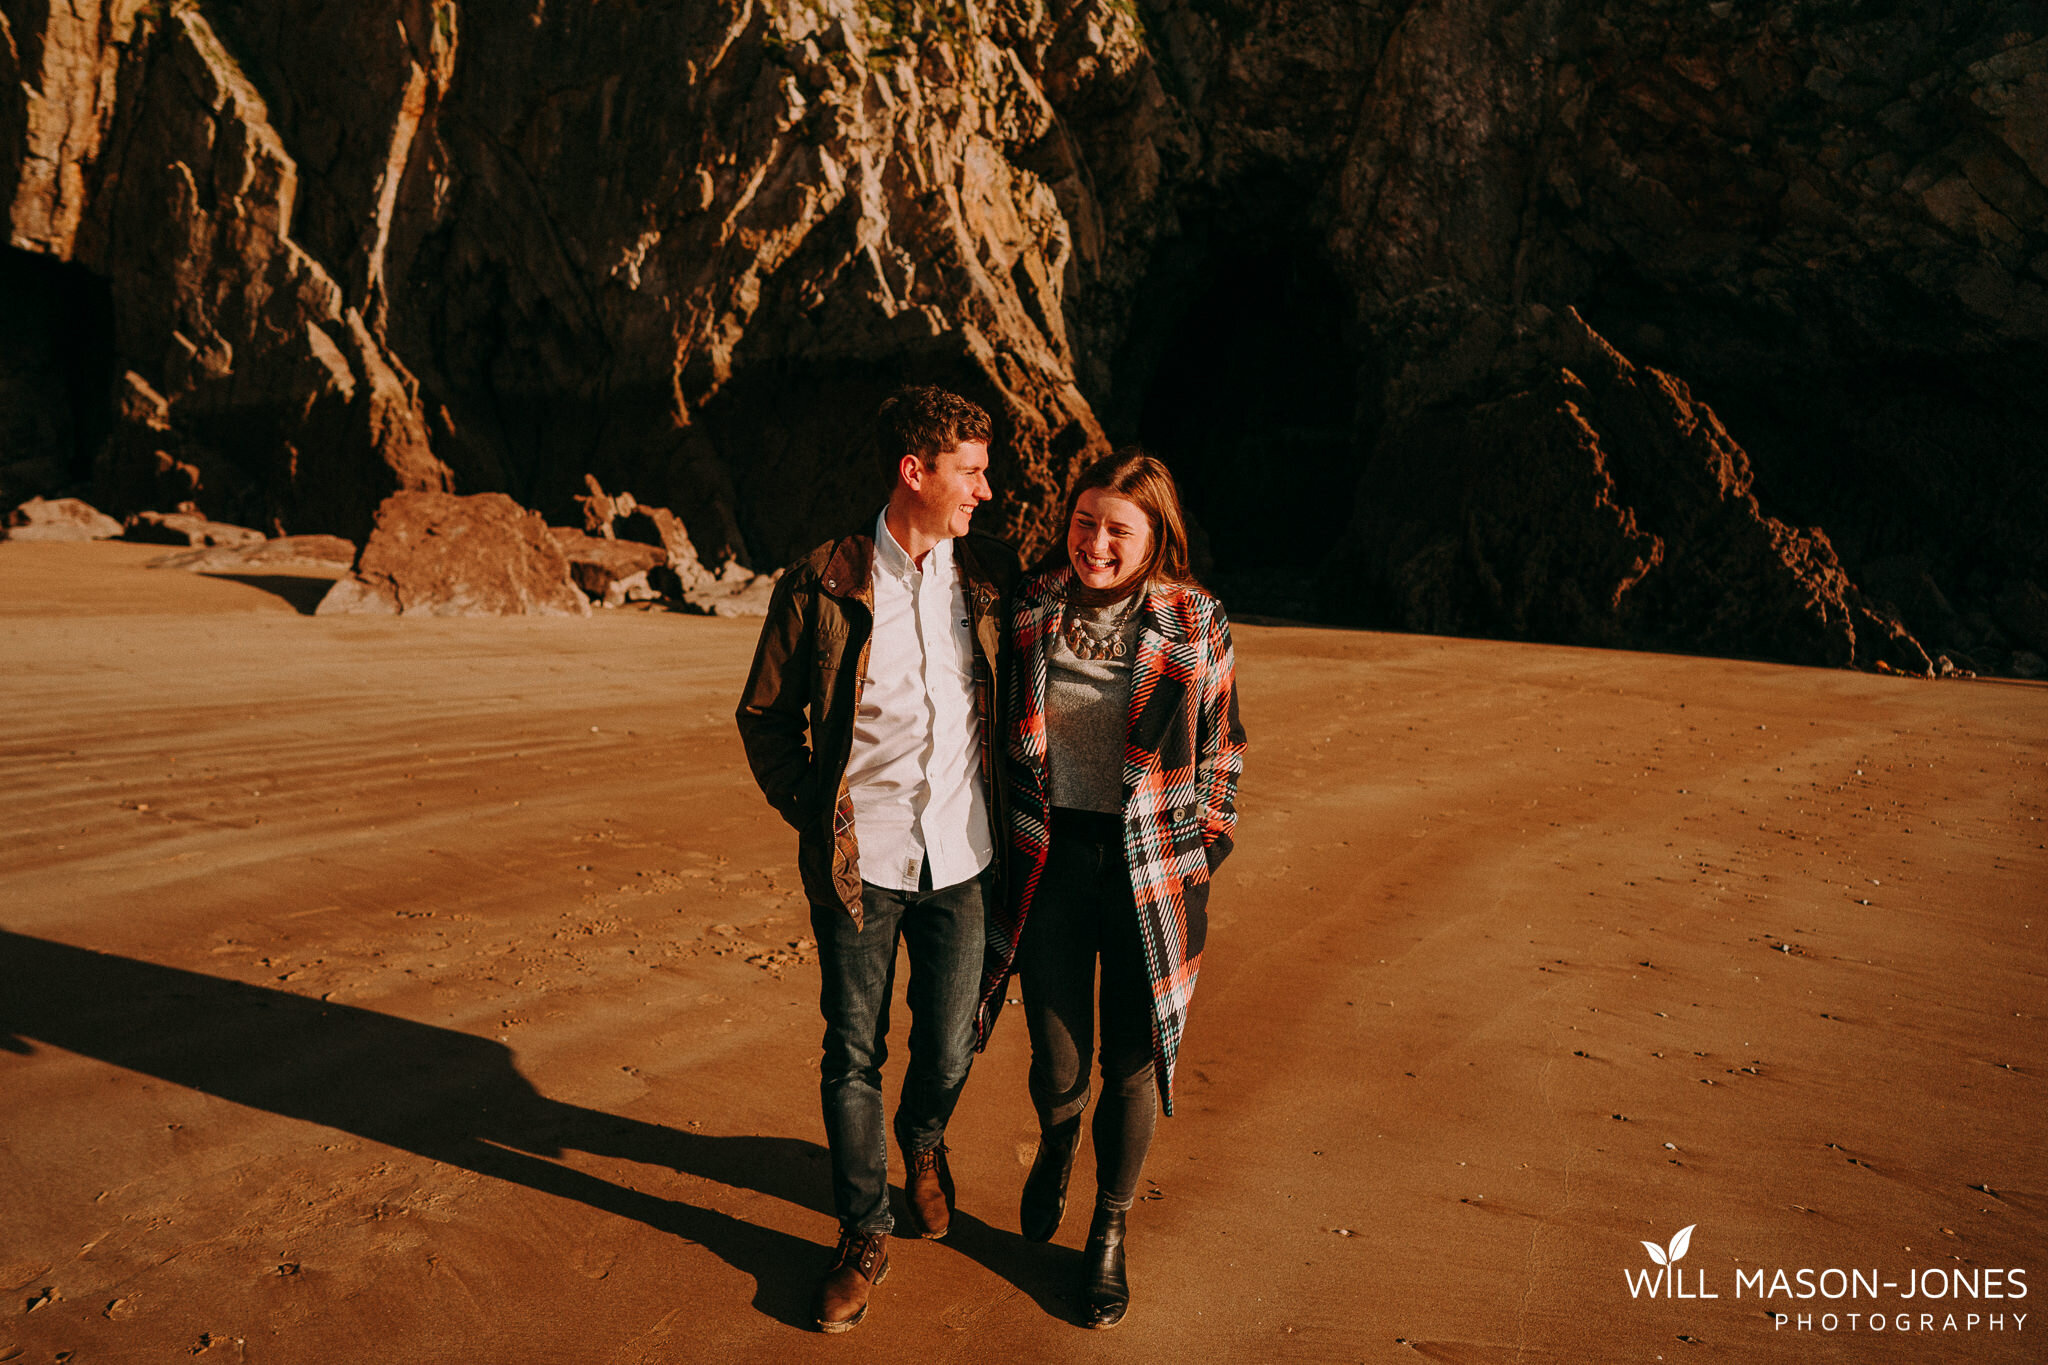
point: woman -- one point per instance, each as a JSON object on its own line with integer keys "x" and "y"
{"x": 1124, "y": 748}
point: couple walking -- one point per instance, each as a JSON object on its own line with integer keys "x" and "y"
{"x": 1011, "y": 773}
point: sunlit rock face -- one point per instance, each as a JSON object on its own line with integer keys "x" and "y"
{"x": 1304, "y": 250}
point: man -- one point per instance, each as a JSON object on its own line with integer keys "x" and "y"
{"x": 870, "y": 722}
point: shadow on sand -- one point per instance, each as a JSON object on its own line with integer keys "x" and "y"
{"x": 440, "y": 1094}
{"x": 303, "y": 591}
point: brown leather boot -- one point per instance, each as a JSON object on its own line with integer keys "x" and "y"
{"x": 861, "y": 1263}
{"x": 928, "y": 1186}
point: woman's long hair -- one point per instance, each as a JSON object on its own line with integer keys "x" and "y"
{"x": 1131, "y": 473}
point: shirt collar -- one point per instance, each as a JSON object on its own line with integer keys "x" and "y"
{"x": 896, "y": 560}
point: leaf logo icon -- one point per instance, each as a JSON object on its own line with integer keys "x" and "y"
{"x": 1679, "y": 1244}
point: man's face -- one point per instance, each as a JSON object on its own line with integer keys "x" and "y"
{"x": 947, "y": 494}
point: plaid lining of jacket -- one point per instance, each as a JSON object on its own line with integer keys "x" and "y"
{"x": 1182, "y": 757}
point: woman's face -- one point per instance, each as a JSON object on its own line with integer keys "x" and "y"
{"x": 1109, "y": 541}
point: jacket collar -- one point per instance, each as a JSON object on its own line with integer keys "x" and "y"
{"x": 849, "y": 570}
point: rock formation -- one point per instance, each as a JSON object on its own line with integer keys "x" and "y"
{"x": 431, "y": 245}
{"x": 1509, "y": 521}
{"x": 187, "y": 528}
{"x": 58, "y": 519}
{"x": 142, "y": 150}
{"x": 436, "y": 554}
{"x": 631, "y": 551}
{"x": 285, "y": 552}
{"x": 611, "y": 572}
{"x": 1560, "y": 511}
{"x": 734, "y": 590}
{"x": 624, "y": 519}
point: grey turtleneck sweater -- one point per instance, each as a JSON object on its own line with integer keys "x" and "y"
{"x": 1087, "y": 715}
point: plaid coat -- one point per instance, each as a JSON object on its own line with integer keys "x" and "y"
{"x": 1182, "y": 757}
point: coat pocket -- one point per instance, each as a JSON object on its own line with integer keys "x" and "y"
{"x": 1195, "y": 901}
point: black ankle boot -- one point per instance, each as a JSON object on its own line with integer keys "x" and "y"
{"x": 1044, "y": 1200}
{"x": 1103, "y": 1286}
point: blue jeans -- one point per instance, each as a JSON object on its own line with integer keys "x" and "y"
{"x": 943, "y": 930}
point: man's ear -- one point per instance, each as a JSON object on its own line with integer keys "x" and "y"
{"x": 910, "y": 472}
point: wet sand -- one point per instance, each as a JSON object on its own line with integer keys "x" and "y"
{"x": 441, "y": 990}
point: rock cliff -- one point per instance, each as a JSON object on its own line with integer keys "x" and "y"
{"x": 290, "y": 257}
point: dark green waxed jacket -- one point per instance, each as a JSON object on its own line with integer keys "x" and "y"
{"x": 796, "y": 714}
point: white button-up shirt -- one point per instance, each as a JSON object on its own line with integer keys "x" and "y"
{"x": 915, "y": 769}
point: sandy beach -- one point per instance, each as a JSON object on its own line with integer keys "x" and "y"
{"x": 441, "y": 990}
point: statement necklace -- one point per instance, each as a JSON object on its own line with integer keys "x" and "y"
{"x": 1086, "y": 644}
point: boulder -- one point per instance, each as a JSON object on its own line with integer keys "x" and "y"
{"x": 59, "y": 519}
{"x": 187, "y": 528}
{"x": 439, "y": 554}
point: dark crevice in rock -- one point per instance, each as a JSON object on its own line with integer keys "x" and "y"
{"x": 56, "y": 373}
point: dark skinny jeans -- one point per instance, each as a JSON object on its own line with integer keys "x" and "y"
{"x": 1083, "y": 910}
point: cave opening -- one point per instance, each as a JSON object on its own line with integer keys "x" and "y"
{"x": 57, "y": 369}
{"x": 1242, "y": 372}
